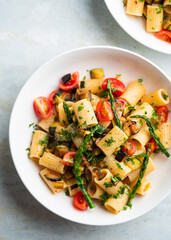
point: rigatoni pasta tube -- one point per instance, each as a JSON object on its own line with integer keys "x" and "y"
{"x": 36, "y": 149}
{"x": 94, "y": 85}
{"x": 116, "y": 167}
{"x": 135, "y": 174}
{"x": 134, "y": 164}
{"x": 94, "y": 190}
{"x": 115, "y": 205}
{"x": 106, "y": 179}
{"x": 53, "y": 162}
{"x": 154, "y": 18}
{"x": 157, "y": 98}
{"x": 112, "y": 141}
{"x": 142, "y": 137}
{"x": 45, "y": 123}
{"x": 94, "y": 100}
{"x": 72, "y": 186}
{"x": 77, "y": 140}
{"x": 165, "y": 137}
{"x": 84, "y": 113}
{"x": 134, "y": 92}
{"x": 135, "y": 7}
{"x": 144, "y": 187}
{"x": 92, "y": 172}
{"x": 167, "y": 5}
{"x": 55, "y": 186}
{"x": 144, "y": 109}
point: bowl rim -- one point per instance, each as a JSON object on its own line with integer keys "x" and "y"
{"x": 131, "y": 35}
{"x": 11, "y": 120}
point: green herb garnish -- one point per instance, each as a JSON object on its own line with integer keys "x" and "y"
{"x": 109, "y": 141}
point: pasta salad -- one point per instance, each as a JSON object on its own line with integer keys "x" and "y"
{"x": 157, "y": 14}
{"x": 97, "y": 139}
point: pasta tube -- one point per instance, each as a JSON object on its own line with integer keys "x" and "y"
{"x": 115, "y": 205}
{"x": 167, "y": 5}
{"x": 52, "y": 162}
{"x": 116, "y": 167}
{"x": 94, "y": 190}
{"x": 157, "y": 98}
{"x": 144, "y": 187}
{"x": 134, "y": 92}
{"x": 165, "y": 137}
{"x": 94, "y": 85}
{"x": 36, "y": 149}
{"x": 49, "y": 175}
{"x": 85, "y": 113}
{"x": 135, "y": 7}
{"x": 154, "y": 18}
{"x": 112, "y": 141}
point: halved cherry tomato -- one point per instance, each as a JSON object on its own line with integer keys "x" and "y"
{"x": 129, "y": 147}
{"x": 120, "y": 105}
{"x": 152, "y": 145}
{"x": 104, "y": 111}
{"x": 70, "y": 84}
{"x": 42, "y": 107}
{"x": 80, "y": 202}
{"x": 162, "y": 112}
{"x": 69, "y": 158}
{"x": 117, "y": 86}
{"x": 51, "y": 96}
{"x": 164, "y": 35}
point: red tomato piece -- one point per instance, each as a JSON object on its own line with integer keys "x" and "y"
{"x": 129, "y": 147}
{"x": 104, "y": 111}
{"x": 120, "y": 105}
{"x": 51, "y": 96}
{"x": 162, "y": 112}
{"x": 117, "y": 86}
{"x": 42, "y": 107}
{"x": 80, "y": 202}
{"x": 69, "y": 158}
{"x": 70, "y": 84}
{"x": 152, "y": 145}
{"x": 164, "y": 35}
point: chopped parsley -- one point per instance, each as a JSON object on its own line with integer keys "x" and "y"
{"x": 34, "y": 125}
{"x": 45, "y": 141}
{"x": 80, "y": 108}
{"x": 140, "y": 80}
{"x": 119, "y": 166}
{"x": 165, "y": 96}
{"x": 108, "y": 184}
{"x": 104, "y": 94}
{"x": 155, "y": 115}
{"x": 109, "y": 141}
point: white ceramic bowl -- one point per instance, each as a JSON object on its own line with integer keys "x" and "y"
{"x": 46, "y": 79}
{"x": 135, "y": 27}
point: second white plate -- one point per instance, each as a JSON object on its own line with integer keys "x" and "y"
{"x": 135, "y": 27}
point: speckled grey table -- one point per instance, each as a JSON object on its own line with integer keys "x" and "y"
{"x": 32, "y": 32}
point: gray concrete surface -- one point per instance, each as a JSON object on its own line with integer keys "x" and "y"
{"x": 32, "y": 32}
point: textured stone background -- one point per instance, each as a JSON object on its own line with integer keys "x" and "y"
{"x": 32, "y": 32}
